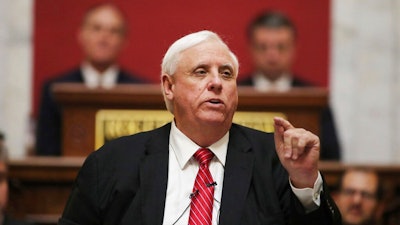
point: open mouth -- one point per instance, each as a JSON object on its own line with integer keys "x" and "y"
{"x": 215, "y": 101}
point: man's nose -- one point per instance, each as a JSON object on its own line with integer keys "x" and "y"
{"x": 357, "y": 197}
{"x": 215, "y": 81}
{"x": 272, "y": 51}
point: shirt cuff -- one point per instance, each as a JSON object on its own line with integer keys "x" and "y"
{"x": 310, "y": 198}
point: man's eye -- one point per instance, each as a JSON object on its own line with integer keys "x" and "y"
{"x": 282, "y": 48}
{"x": 261, "y": 48}
{"x": 117, "y": 31}
{"x": 95, "y": 28}
{"x": 200, "y": 72}
{"x": 227, "y": 73}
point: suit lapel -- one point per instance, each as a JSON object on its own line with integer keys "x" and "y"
{"x": 237, "y": 177}
{"x": 154, "y": 176}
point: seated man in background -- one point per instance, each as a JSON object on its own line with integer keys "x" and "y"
{"x": 101, "y": 36}
{"x": 359, "y": 197}
{"x": 272, "y": 43}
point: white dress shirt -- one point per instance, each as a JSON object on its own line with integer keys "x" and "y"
{"x": 263, "y": 84}
{"x": 93, "y": 79}
{"x": 182, "y": 171}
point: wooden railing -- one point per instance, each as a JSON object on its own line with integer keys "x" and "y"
{"x": 41, "y": 185}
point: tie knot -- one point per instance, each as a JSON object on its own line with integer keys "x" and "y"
{"x": 203, "y": 156}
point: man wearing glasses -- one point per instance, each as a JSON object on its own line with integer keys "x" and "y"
{"x": 359, "y": 196}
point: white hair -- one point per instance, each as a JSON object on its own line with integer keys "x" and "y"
{"x": 172, "y": 56}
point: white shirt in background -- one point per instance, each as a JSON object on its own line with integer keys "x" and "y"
{"x": 93, "y": 79}
{"x": 262, "y": 83}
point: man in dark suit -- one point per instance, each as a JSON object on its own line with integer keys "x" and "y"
{"x": 272, "y": 44}
{"x": 101, "y": 37}
{"x": 243, "y": 176}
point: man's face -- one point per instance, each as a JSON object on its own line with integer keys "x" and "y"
{"x": 273, "y": 50}
{"x": 203, "y": 86}
{"x": 3, "y": 186}
{"x": 102, "y": 36}
{"x": 357, "y": 199}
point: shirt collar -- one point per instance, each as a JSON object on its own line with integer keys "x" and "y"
{"x": 184, "y": 148}
{"x": 262, "y": 83}
{"x": 93, "y": 79}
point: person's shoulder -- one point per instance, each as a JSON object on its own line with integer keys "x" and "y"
{"x": 127, "y": 77}
{"x": 72, "y": 75}
{"x": 246, "y": 81}
{"x": 299, "y": 82}
{"x": 247, "y": 129}
{"x": 133, "y": 145}
{"x": 251, "y": 134}
{"x": 262, "y": 143}
{"x": 125, "y": 152}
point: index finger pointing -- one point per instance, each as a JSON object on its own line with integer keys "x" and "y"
{"x": 278, "y": 121}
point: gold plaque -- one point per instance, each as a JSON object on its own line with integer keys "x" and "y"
{"x": 263, "y": 121}
{"x": 111, "y": 124}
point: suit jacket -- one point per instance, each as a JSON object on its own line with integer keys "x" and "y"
{"x": 48, "y": 132}
{"x": 330, "y": 147}
{"x": 125, "y": 182}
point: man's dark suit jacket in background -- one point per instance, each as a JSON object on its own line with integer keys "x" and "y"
{"x": 125, "y": 182}
{"x": 48, "y": 132}
{"x": 330, "y": 146}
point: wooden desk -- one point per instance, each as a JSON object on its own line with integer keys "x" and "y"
{"x": 80, "y": 104}
{"x": 41, "y": 185}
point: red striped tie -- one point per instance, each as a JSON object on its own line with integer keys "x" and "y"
{"x": 202, "y": 200}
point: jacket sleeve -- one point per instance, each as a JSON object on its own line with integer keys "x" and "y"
{"x": 327, "y": 213}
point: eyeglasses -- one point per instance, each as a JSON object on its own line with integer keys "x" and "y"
{"x": 348, "y": 192}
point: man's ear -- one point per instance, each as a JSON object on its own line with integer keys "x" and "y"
{"x": 168, "y": 86}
